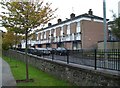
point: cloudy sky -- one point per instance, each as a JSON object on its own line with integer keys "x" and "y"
{"x": 66, "y": 7}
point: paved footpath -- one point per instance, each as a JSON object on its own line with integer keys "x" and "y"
{"x": 7, "y": 77}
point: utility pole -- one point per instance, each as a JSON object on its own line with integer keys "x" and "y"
{"x": 119, "y": 9}
{"x": 105, "y": 33}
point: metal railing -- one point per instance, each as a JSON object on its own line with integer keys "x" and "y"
{"x": 87, "y": 57}
{"x": 96, "y": 58}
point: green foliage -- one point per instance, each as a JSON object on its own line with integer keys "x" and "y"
{"x": 116, "y": 27}
{"x": 32, "y": 36}
{"x": 40, "y": 78}
{"x": 5, "y": 46}
{"x": 24, "y": 16}
{"x": 9, "y": 39}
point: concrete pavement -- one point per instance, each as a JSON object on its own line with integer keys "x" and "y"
{"x": 7, "y": 77}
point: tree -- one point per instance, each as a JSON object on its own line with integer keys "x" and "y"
{"x": 8, "y": 40}
{"x": 26, "y": 16}
{"x": 116, "y": 27}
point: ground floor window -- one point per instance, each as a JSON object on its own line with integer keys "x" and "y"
{"x": 76, "y": 45}
{"x": 48, "y": 45}
{"x": 60, "y": 44}
{"x": 39, "y": 45}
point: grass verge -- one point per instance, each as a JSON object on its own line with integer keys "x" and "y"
{"x": 40, "y": 78}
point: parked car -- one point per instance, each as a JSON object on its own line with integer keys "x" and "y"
{"x": 21, "y": 49}
{"x": 52, "y": 50}
{"x": 61, "y": 51}
{"x": 42, "y": 51}
{"x": 32, "y": 51}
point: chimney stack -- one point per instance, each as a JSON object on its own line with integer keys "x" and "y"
{"x": 49, "y": 24}
{"x": 72, "y": 15}
{"x": 90, "y": 12}
{"x": 59, "y": 20}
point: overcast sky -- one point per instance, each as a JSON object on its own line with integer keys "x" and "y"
{"x": 66, "y": 7}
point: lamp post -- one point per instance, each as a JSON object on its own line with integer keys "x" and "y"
{"x": 105, "y": 32}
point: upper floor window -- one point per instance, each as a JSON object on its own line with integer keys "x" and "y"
{"x": 54, "y": 33}
{"x": 68, "y": 29}
{"x": 78, "y": 27}
{"x": 61, "y": 31}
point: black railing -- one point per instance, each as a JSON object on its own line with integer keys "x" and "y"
{"x": 109, "y": 59}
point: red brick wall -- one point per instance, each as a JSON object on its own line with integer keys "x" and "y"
{"x": 43, "y": 46}
{"x": 39, "y": 36}
{"x": 58, "y": 31}
{"x": 47, "y": 34}
{"x": 65, "y": 29}
{"x": 54, "y": 45}
{"x": 92, "y": 32}
{"x": 73, "y": 27}
{"x": 68, "y": 45}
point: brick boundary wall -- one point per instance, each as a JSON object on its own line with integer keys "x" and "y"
{"x": 77, "y": 75}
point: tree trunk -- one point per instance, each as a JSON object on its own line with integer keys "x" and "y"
{"x": 26, "y": 50}
{"x": 15, "y": 41}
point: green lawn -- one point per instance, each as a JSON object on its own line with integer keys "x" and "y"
{"x": 40, "y": 78}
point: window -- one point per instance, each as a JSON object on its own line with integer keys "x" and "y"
{"x": 76, "y": 45}
{"x": 61, "y": 31}
{"x": 78, "y": 27}
{"x": 44, "y": 35}
{"x": 60, "y": 44}
{"x": 68, "y": 29}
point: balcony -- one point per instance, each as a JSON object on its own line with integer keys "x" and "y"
{"x": 58, "y": 39}
{"x": 69, "y": 37}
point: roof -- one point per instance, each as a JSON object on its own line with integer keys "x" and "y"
{"x": 79, "y": 16}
